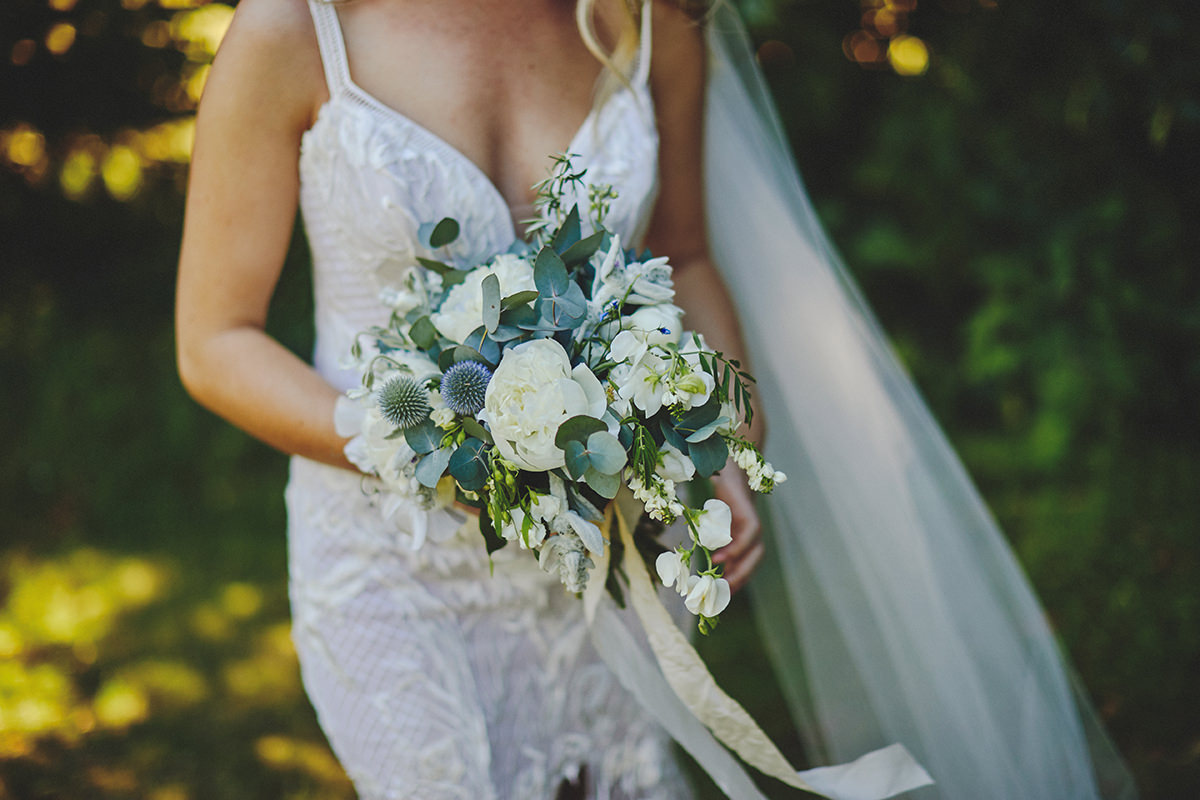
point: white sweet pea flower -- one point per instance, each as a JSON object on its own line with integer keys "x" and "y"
{"x": 512, "y": 531}
{"x": 675, "y": 465}
{"x": 706, "y": 596}
{"x": 713, "y": 525}
{"x": 658, "y": 324}
{"x": 643, "y": 383}
{"x": 672, "y": 571}
{"x": 462, "y": 310}
{"x": 533, "y": 391}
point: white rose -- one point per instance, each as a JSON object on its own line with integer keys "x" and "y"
{"x": 675, "y": 465}
{"x": 462, "y": 310}
{"x": 532, "y": 393}
{"x": 671, "y": 571}
{"x": 713, "y": 524}
{"x": 706, "y": 596}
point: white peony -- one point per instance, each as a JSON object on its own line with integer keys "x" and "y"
{"x": 462, "y": 310}
{"x": 713, "y": 525}
{"x": 706, "y": 596}
{"x": 533, "y": 391}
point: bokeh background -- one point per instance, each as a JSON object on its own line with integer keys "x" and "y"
{"x": 1007, "y": 180}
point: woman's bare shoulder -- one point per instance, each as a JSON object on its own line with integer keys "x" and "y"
{"x": 678, "y": 53}
{"x": 271, "y": 50}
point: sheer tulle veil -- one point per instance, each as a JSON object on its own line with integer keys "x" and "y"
{"x": 890, "y": 602}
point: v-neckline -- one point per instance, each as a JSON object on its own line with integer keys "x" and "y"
{"x": 374, "y": 103}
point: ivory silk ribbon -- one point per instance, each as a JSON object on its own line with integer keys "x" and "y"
{"x": 692, "y": 696}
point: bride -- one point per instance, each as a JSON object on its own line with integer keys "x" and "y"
{"x": 434, "y": 679}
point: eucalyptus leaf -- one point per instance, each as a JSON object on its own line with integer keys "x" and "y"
{"x": 423, "y": 333}
{"x": 577, "y": 428}
{"x": 708, "y": 430}
{"x": 518, "y": 298}
{"x": 469, "y": 465}
{"x": 601, "y": 484}
{"x": 672, "y": 437}
{"x": 518, "y": 315}
{"x": 453, "y": 278}
{"x": 484, "y": 348}
{"x": 549, "y": 273}
{"x": 491, "y": 302}
{"x": 570, "y": 231}
{"x": 583, "y": 249}
{"x": 605, "y": 452}
{"x": 435, "y": 266}
{"x": 505, "y": 333}
{"x": 424, "y": 438}
{"x": 577, "y": 459}
{"x": 432, "y": 466}
{"x": 709, "y": 455}
{"x": 474, "y": 427}
{"x": 442, "y": 233}
{"x": 697, "y": 418}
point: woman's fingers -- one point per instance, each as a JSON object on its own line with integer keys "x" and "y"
{"x": 738, "y": 572}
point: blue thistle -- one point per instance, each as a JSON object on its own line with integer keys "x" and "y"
{"x": 403, "y": 403}
{"x": 463, "y": 387}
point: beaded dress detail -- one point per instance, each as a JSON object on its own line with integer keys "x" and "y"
{"x": 432, "y": 678}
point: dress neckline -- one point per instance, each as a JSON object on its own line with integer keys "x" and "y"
{"x": 332, "y": 43}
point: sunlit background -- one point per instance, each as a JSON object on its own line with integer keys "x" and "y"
{"x": 1007, "y": 180}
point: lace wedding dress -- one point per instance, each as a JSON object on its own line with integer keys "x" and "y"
{"x": 432, "y": 678}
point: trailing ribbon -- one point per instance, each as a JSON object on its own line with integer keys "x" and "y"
{"x": 877, "y": 775}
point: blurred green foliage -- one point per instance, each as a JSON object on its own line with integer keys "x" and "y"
{"x": 1021, "y": 215}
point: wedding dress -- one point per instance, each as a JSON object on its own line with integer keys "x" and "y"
{"x": 894, "y": 610}
{"x": 431, "y": 678}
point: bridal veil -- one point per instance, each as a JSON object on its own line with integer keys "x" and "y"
{"x": 890, "y": 602}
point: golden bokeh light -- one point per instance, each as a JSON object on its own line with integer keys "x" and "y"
{"x": 241, "y": 600}
{"x": 24, "y": 146}
{"x": 120, "y": 703}
{"x": 908, "y": 55}
{"x": 199, "y": 32}
{"x": 157, "y": 34}
{"x": 60, "y": 38}
{"x": 22, "y": 52}
{"x": 122, "y": 172}
{"x": 62, "y": 5}
{"x": 78, "y": 172}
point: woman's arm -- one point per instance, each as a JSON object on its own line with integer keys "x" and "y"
{"x": 262, "y": 93}
{"x": 677, "y": 231}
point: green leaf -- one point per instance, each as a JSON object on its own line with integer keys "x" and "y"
{"x": 454, "y": 277}
{"x": 474, "y": 427}
{"x": 491, "y": 302}
{"x": 577, "y": 459}
{"x": 469, "y": 465}
{"x": 697, "y": 418}
{"x": 518, "y": 298}
{"x": 435, "y": 266}
{"x": 442, "y": 233}
{"x": 578, "y": 429}
{"x": 603, "y": 485}
{"x": 550, "y": 274}
{"x": 424, "y": 438}
{"x": 518, "y": 316}
{"x": 605, "y": 452}
{"x": 491, "y": 540}
{"x": 423, "y": 333}
{"x": 570, "y": 231}
{"x": 483, "y": 346}
{"x": 708, "y": 430}
{"x": 505, "y": 333}
{"x": 432, "y": 466}
{"x": 709, "y": 455}
{"x": 672, "y": 436}
{"x": 583, "y": 249}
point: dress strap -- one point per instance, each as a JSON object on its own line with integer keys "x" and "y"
{"x": 643, "y": 63}
{"x": 332, "y": 46}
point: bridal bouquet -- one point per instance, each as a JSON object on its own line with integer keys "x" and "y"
{"x": 534, "y": 386}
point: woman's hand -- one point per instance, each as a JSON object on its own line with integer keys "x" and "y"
{"x": 741, "y": 556}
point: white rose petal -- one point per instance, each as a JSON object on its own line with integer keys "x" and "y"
{"x": 713, "y": 524}
{"x": 706, "y": 596}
